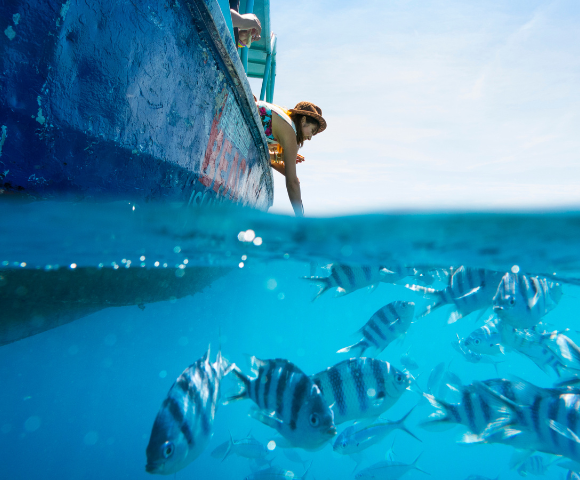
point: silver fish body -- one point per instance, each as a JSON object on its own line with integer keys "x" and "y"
{"x": 354, "y": 440}
{"x": 361, "y": 388}
{"x": 349, "y": 278}
{"x": 485, "y": 340}
{"x": 470, "y": 289}
{"x": 387, "y": 470}
{"x": 288, "y": 401}
{"x": 184, "y": 424}
{"x": 248, "y": 447}
{"x": 408, "y": 362}
{"x": 387, "y": 324}
{"x": 522, "y": 300}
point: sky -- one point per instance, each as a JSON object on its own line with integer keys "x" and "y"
{"x": 433, "y": 104}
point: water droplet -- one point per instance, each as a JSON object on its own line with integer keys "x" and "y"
{"x": 110, "y": 339}
{"x": 515, "y": 269}
{"x": 244, "y": 257}
{"x": 241, "y": 265}
{"x": 271, "y": 284}
{"x": 73, "y": 265}
{"x": 162, "y": 374}
{"x": 183, "y": 341}
{"x": 23, "y": 264}
{"x": 156, "y": 264}
{"x": 32, "y": 424}
{"x": 142, "y": 258}
{"x": 271, "y": 445}
{"x": 249, "y": 236}
{"x": 91, "y": 438}
{"x": 258, "y": 241}
{"x": 186, "y": 261}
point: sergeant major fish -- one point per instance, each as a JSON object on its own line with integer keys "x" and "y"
{"x": 361, "y": 388}
{"x": 183, "y": 426}
{"x": 288, "y": 401}
{"x": 485, "y": 340}
{"x": 348, "y": 278}
{"x": 470, "y": 289}
{"x": 522, "y": 300}
{"x": 387, "y": 324}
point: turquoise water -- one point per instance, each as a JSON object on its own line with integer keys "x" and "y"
{"x": 79, "y": 401}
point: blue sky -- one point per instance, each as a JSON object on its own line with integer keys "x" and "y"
{"x": 433, "y": 104}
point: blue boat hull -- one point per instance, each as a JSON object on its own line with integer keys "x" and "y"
{"x": 132, "y": 100}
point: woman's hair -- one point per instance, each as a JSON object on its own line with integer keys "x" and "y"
{"x": 297, "y": 119}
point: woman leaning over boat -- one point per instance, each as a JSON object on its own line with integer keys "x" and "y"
{"x": 286, "y": 131}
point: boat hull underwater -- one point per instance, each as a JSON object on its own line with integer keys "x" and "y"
{"x": 132, "y": 101}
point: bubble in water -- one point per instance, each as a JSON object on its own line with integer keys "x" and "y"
{"x": 244, "y": 257}
{"x": 91, "y": 438}
{"x": 271, "y": 284}
{"x": 271, "y": 445}
{"x": 110, "y": 339}
{"x": 32, "y": 424}
{"x": 177, "y": 249}
{"x": 258, "y": 241}
{"x": 6, "y": 428}
{"x": 73, "y": 350}
{"x": 249, "y": 236}
{"x": 515, "y": 269}
{"x": 162, "y": 374}
{"x": 179, "y": 273}
{"x": 241, "y": 265}
{"x": 281, "y": 296}
{"x": 289, "y": 475}
{"x": 183, "y": 341}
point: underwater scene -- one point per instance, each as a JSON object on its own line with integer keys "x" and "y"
{"x": 224, "y": 343}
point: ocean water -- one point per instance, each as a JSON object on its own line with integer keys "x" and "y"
{"x": 78, "y": 401}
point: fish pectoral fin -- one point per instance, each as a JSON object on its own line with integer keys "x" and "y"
{"x": 340, "y": 292}
{"x": 473, "y": 291}
{"x": 563, "y": 430}
{"x": 267, "y": 418}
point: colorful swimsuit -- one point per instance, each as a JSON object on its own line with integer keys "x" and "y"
{"x": 265, "y": 109}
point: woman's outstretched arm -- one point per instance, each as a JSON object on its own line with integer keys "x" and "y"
{"x": 287, "y": 138}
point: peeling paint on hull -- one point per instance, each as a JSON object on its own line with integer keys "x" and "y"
{"x": 133, "y": 101}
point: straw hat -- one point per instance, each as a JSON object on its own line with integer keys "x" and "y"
{"x": 311, "y": 110}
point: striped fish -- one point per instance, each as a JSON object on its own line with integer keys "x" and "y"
{"x": 534, "y": 465}
{"x": 288, "y": 401}
{"x": 485, "y": 340}
{"x": 572, "y": 475}
{"x": 532, "y": 345}
{"x": 470, "y": 289}
{"x": 387, "y": 324}
{"x": 361, "y": 388}
{"x": 388, "y": 470}
{"x": 542, "y": 419}
{"x": 522, "y": 300}
{"x": 474, "y": 410}
{"x": 183, "y": 426}
{"x": 348, "y": 278}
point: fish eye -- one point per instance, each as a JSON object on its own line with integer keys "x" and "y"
{"x": 512, "y": 301}
{"x": 399, "y": 378}
{"x": 344, "y": 444}
{"x": 313, "y": 420}
{"x": 476, "y": 341}
{"x": 168, "y": 449}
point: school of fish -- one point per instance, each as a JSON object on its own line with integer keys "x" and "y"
{"x": 305, "y": 410}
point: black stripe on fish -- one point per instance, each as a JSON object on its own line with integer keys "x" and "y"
{"x": 535, "y": 409}
{"x": 553, "y": 414}
{"x": 375, "y": 328}
{"x": 368, "y": 273}
{"x": 268, "y": 383}
{"x": 382, "y": 316}
{"x": 350, "y": 275}
{"x": 485, "y": 409}
{"x": 391, "y": 308}
{"x": 298, "y": 400}
{"x": 256, "y": 385}
{"x": 281, "y": 387}
{"x": 468, "y": 406}
{"x": 379, "y": 378}
{"x": 336, "y": 385}
{"x": 199, "y": 410}
{"x": 359, "y": 383}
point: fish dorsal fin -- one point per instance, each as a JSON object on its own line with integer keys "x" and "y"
{"x": 206, "y": 355}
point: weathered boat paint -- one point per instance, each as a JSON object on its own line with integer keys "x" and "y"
{"x": 132, "y": 100}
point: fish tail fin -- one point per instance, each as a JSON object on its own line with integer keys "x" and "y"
{"x": 325, "y": 284}
{"x": 245, "y": 392}
{"x": 442, "y": 418}
{"x": 401, "y": 425}
{"x": 415, "y": 467}
{"x": 230, "y": 445}
{"x": 362, "y": 346}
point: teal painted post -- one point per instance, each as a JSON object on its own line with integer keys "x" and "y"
{"x": 270, "y": 96}
{"x": 249, "y": 9}
{"x": 266, "y": 78}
